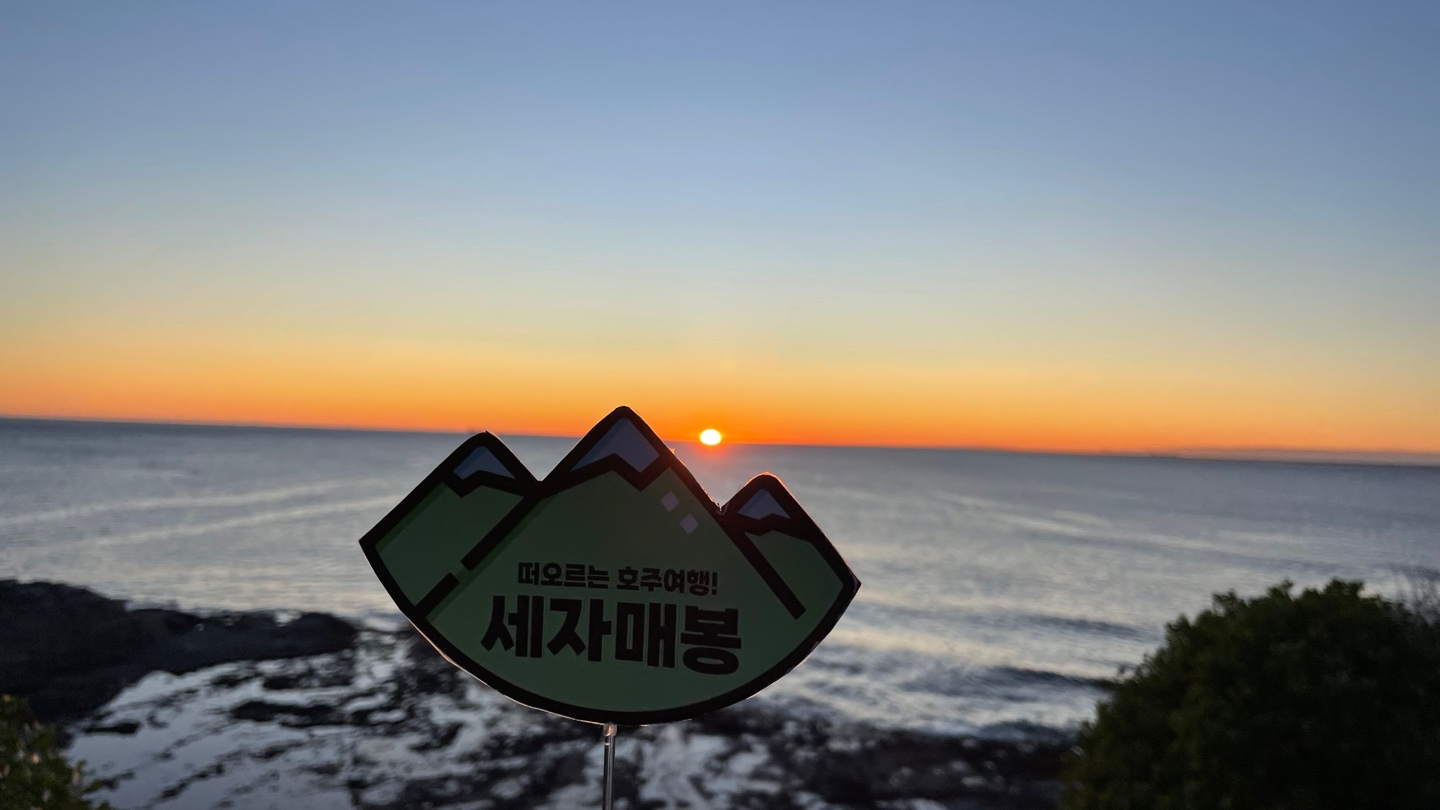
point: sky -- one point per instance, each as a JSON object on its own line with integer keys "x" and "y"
{"x": 1060, "y": 226}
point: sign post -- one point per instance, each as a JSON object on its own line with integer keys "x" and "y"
{"x": 609, "y": 766}
{"x": 614, "y": 591}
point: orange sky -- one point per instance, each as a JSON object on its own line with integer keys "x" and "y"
{"x": 422, "y": 386}
{"x": 1177, "y": 228}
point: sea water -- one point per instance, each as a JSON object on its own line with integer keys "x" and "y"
{"x": 1000, "y": 589}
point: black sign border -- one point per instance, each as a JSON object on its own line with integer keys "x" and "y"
{"x": 736, "y": 527}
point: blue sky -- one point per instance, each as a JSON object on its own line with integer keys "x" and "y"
{"x": 1249, "y": 194}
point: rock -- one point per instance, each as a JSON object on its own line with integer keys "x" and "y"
{"x": 248, "y": 637}
{"x": 159, "y": 624}
{"x": 126, "y": 727}
{"x": 69, "y": 650}
{"x": 403, "y": 728}
{"x": 340, "y": 672}
{"x": 290, "y": 714}
{"x": 390, "y": 725}
{"x": 48, "y": 629}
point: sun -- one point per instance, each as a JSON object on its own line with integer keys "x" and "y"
{"x": 710, "y": 436}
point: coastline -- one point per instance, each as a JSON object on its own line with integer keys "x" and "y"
{"x": 188, "y": 710}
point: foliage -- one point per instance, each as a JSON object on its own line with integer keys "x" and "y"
{"x": 1326, "y": 700}
{"x": 33, "y": 772}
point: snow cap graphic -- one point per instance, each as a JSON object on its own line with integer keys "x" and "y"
{"x": 615, "y": 590}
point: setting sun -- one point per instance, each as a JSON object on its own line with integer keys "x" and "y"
{"x": 710, "y": 436}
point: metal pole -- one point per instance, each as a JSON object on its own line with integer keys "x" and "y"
{"x": 609, "y": 766}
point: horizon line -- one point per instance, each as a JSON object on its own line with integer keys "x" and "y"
{"x": 1259, "y": 453}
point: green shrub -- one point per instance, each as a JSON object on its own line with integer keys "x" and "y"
{"x": 1326, "y": 700}
{"x": 33, "y": 772}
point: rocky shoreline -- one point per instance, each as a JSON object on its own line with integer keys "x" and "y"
{"x": 181, "y": 710}
{"x": 69, "y": 650}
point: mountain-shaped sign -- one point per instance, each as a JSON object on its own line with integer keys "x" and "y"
{"x": 615, "y": 590}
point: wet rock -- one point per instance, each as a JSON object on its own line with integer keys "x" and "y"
{"x": 69, "y": 650}
{"x": 442, "y": 738}
{"x": 50, "y": 629}
{"x": 289, "y": 714}
{"x": 126, "y": 727}
{"x": 384, "y": 723}
{"x": 341, "y": 673}
{"x": 229, "y": 637}
{"x": 405, "y": 730}
{"x": 867, "y": 767}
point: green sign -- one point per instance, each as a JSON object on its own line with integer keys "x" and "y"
{"x": 614, "y": 591}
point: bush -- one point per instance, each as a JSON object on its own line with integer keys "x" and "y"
{"x": 33, "y": 772}
{"x": 1326, "y": 700}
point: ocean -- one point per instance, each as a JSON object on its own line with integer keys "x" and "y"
{"x": 1000, "y": 589}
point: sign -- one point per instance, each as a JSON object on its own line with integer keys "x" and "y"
{"x": 615, "y": 590}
